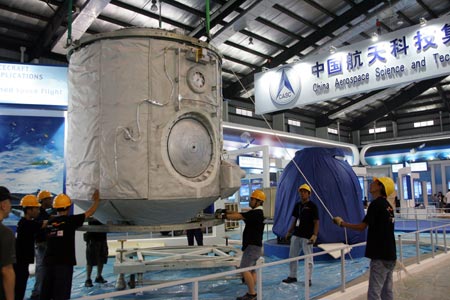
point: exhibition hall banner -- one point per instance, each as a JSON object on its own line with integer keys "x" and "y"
{"x": 411, "y": 54}
{"x": 33, "y": 84}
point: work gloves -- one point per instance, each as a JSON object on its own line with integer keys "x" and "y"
{"x": 220, "y": 213}
{"x": 338, "y": 221}
{"x": 313, "y": 239}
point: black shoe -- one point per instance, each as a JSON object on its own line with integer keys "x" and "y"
{"x": 247, "y": 296}
{"x": 88, "y": 283}
{"x": 100, "y": 279}
{"x": 290, "y": 280}
{"x": 310, "y": 283}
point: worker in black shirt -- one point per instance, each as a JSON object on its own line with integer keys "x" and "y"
{"x": 380, "y": 246}
{"x": 27, "y": 228}
{"x": 304, "y": 235}
{"x": 59, "y": 257}
{"x": 251, "y": 240}
{"x": 45, "y": 198}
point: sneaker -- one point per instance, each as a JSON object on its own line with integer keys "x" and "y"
{"x": 290, "y": 280}
{"x": 247, "y": 296}
{"x": 100, "y": 279}
{"x": 88, "y": 283}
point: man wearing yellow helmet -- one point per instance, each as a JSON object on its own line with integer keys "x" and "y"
{"x": 59, "y": 257}
{"x": 251, "y": 239}
{"x": 305, "y": 234}
{"x": 380, "y": 246}
{"x": 45, "y": 199}
{"x": 27, "y": 228}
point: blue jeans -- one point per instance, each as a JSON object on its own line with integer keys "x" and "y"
{"x": 298, "y": 244}
{"x": 380, "y": 280}
{"x": 39, "y": 251}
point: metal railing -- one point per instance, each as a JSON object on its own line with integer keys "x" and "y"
{"x": 433, "y": 241}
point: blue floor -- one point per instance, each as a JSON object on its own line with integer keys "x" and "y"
{"x": 326, "y": 276}
{"x": 407, "y": 225}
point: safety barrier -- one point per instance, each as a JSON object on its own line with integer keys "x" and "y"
{"x": 434, "y": 242}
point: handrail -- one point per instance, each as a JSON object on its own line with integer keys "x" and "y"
{"x": 195, "y": 280}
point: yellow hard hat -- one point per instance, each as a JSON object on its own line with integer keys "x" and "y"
{"x": 44, "y": 194}
{"x": 388, "y": 184}
{"x": 61, "y": 201}
{"x": 258, "y": 194}
{"x": 29, "y": 201}
{"x": 304, "y": 187}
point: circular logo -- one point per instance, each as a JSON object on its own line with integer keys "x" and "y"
{"x": 285, "y": 86}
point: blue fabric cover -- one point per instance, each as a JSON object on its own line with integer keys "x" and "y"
{"x": 337, "y": 186}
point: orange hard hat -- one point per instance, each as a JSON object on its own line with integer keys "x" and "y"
{"x": 62, "y": 201}
{"x": 258, "y": 194}
{"x": 29, "y": 201}
{"x": 44, "y": 194}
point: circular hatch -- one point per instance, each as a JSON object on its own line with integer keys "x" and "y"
{"x": 189, "y": 147}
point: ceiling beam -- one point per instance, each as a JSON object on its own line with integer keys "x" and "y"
{"x": 244, "y": 20}
{"x": 427, "y": 8}
{"x": 217, "y": 17}
{"x": 23, "y": 12}
{"x": 346, "y": 17}
{"x": 20, "y": 28}
{"x": 444, "y": 97}
{"x": 295, "y": 16}
{"x": 263, "y": 39}
{"x": 149, "y": 14}
{"x": 238, "y": 61}
{"x": 395, "y": 102}
{"x": 325, "y": 120}
{"x": 51, "y": 32}
{"x": 246, "y": 49}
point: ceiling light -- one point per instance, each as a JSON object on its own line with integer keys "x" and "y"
{"x": 332, "y": 49}
{"x": 374, "y": 37}
{"x": 154, "y": 7}
{"x": 400, "y": 21}
{"x": 423, "y": 21}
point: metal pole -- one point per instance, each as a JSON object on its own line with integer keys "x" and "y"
{"x": 444, "y": 231}
{"x": 208, "y": 20}
{"x": 306, "y": 261}
{"x": 259, "y": 289}
{"x": 160, "y": 16}
{"x": 342, "y": 270}
{"x": 432, "y": 243}
{"x": 195, "y": 290}
{"x": 417, "y": 248}
{"x": 417, "y": 220}
{"x": 400, "y": 245}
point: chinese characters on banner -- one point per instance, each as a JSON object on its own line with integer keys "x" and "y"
{"x": 411, "y": 54}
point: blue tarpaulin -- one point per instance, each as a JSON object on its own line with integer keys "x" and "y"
{"x": 334, "y": 181}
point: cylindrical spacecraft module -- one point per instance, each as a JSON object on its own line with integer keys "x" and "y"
{"x": 144, "y": 126}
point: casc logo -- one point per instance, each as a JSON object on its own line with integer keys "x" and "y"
{"x": 285, "y": 86}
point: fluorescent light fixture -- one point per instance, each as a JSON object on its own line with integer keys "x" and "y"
{"x": 423, "y": 21}
{"x": 154, "y": 7}
{"x": 374, "y": 37}
{"x": 310, "y": 141}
